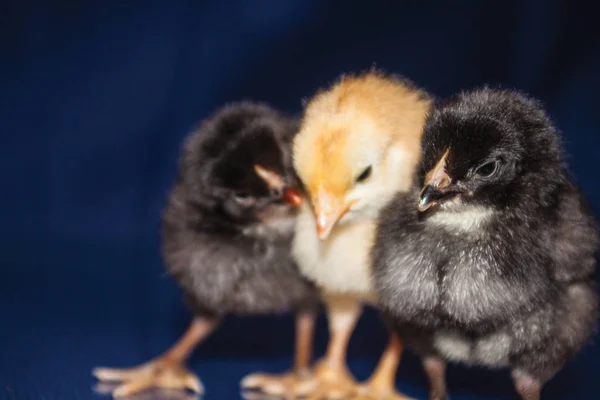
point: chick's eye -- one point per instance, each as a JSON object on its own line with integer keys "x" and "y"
{"x": 487, "y": 169}
{"x": 243, "y": 198}
{"x": 364, "y": 175}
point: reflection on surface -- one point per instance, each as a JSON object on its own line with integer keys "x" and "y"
{"x": 254, "y": 395}
{"x": 153, "y": 394}
{"x": 164, "y": 394}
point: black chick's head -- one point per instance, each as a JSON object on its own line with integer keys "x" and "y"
{"x": 237, "y": 164}
{"x": 488, "y": 148}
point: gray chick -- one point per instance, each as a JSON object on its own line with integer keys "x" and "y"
{"x": 226, "y": 237}
{"x": 492, "y": 263}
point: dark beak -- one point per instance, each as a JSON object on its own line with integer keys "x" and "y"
{"x": 429, "y": 197}
{"x": 436, "y": 186}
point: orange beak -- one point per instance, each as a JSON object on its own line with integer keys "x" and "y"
{"x": 328, "y": 211}
{"x": 292, "y": 196}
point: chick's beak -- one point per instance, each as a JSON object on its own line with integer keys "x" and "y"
{"x": 328, "y": 211}
{"x": 292, "y": 196}
{"x": 429, "y": 197}
{"x": 276, "y": 183}
{"x": 436, "y": 185}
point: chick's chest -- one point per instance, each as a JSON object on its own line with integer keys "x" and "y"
{"x": 341, "y": 263}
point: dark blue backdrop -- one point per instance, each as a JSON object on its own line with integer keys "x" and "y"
{"x": 94, "y": 102}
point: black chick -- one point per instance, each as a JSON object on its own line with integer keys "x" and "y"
{"x": 226, "y": 234}
{"x": 491, "y": 263}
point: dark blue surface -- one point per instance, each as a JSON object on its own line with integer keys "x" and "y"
{"x": 94, "y": 102}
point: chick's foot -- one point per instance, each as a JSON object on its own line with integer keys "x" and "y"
{"x": 161, "y": 374}
{"x": 338, "y": 383}
{"x": 288, "y": 386}
{"x": 332, "y": 383}
{"x": 374, "y": 391}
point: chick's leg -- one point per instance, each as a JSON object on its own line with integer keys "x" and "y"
{"x": 296, "y": 382}
{"x": 166, "y": 371}
{"x": 333, "y": 380}
{"x": 305, "y": 329}
{"x": 381, "y": 385}
{"x": 527, "y": 387}
{"x": 435, "y": 368}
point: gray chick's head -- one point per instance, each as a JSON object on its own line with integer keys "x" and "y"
{"x": 488, "y": 148}
{"x": 238, "y": 164}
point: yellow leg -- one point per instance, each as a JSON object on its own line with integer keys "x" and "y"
{"x": 305, "y": 329}
{"x": 333, "y": 379}
{"x": 166, "y": 371}
{"x": 330, "y": 377}
{"x": 381, "y": 385}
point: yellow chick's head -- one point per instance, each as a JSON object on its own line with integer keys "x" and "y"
{"x": 359, "y": 143}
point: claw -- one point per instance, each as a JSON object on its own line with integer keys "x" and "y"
{"x": 372, "y": 391}
{"x": 157, "y": 374}
{"x": 127, "y": 389}
{"x": 115, "y": 375}
{"x": 193, "y": 383}
{"x": 290, "y": 385}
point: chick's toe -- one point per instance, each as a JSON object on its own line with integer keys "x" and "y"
{"x": 160, "y": 374}
{"x": 291, "y": 385}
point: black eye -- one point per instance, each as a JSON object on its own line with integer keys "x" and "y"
{"x": 487, "y": 170}
{"x": 364, "y": 175}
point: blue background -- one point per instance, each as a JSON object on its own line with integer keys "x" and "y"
{"x": 96, "y": 96}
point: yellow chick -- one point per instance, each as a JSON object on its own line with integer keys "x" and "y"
{"x": 358, "y": 145}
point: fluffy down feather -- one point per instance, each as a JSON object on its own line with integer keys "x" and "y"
{"x": 226, "y": 238}
{"x": 498, "y": 272}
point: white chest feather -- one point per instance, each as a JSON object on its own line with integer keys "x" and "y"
{"x": 491, "y": 350}
{"x": 466, "y": 220}
{"x": 341, "y": 263}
